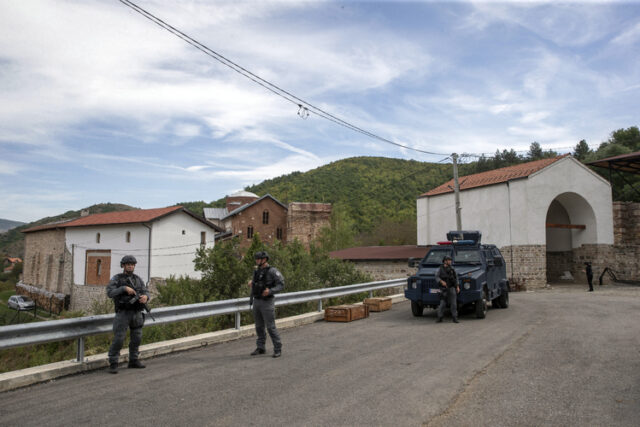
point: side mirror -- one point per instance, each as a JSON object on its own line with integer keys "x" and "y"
{"x": 414, "y": 262}
{"x": 497, "y": 261}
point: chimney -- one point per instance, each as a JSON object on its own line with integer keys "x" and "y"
{"x": 84, "y": 212}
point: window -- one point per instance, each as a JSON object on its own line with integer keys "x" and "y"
{"x": 265, "y": 217}
{"x": 99, "y": 264}
{"x": 249, "y": 232}
{"x": 128, "y": 237}
{"x": 279, "y": 233}
{"x": 97, "y": 237}
{"x": 203, "y": 238}
{"x": 184, "y": 232}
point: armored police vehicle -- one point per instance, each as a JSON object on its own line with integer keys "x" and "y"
{"x": 481, "y": 270}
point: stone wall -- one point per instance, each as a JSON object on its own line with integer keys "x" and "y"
{"x": 305, "y": 220}
{"x": 47, "y": 262}
{"x": 626, "y": 223}
{"x": 385, "y": 269}
{"x": 526, "y": 265}
{"x": 84, "y": 295}
{"x": 557, "y": 264}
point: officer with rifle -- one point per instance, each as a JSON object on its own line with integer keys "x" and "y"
{"x": 449, "y": 289}
{"x": 130, "y": 297}
{"x": 266, "y": 282}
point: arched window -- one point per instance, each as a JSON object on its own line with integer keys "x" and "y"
{"x": 265, "y": 217}
{"x": 250, "y": 232}
{"x": 97, "y": 237}
{"x": 279, "y": 233}
{"x": 128, "y": 238}
{"x": 99, "y": 265}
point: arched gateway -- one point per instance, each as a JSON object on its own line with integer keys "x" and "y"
{"x": 546, "y": 216}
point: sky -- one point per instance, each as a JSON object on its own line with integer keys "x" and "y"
{"x": 98, "y": 104}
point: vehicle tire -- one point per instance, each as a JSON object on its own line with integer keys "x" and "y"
{"x": 495, "y": 303}
{"x": 417, "y": 308}
{"x": 503, "y": 299}
{"x": 481, "y": 307}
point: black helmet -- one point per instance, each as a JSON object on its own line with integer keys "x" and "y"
{"x": 446, "y": 257}
{"x": 128, "y": 259}
{"x": 260, "y": 255}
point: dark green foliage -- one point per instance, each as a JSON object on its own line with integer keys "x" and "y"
{"x": 626, "y": 186}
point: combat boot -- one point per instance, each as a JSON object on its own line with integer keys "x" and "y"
{"x": 136, "y": 364}
{"x": 113, "y": 368}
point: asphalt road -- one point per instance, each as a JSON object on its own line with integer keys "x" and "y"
{"x": 555, "y": 357}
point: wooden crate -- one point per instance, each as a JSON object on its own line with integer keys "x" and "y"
{"x": 346, "y": 313}
{"x": 378, "y": 304}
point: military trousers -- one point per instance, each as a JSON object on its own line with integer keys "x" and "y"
{"x": 449, "y": 295}
{"x": 264, "y": 315}
{"x": 126, "y": 319}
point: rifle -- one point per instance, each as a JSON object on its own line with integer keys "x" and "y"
{"x": 136, "y": 299}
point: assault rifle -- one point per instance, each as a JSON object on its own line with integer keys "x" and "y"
{"x": 136, "y": 298}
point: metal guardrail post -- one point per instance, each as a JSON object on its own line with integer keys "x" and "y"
{"x": 237, "y": 320}
{"x": 370, "y": 294}
{"x": 80, "y": 350}
{"x": 319, "y": 305}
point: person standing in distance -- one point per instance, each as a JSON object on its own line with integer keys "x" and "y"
{"x": 267, "y": 281}
{"x": 449, "y": 289}
{"x": 129, "y": 296}
{"x": 589, "y": 271}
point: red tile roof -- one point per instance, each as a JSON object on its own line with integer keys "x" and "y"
{"x": 381, "y": 253}
{"x": 124, "y": 217}
{"x": 495, "y": 176}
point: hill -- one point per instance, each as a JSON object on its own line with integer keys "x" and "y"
{"x": 12, "y": 241}
{"x": 377, "y": 194}
{"x": 6, "y": 224}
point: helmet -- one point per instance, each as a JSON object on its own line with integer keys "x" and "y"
{"x": 260, "y": 255}
{"x": 446, "y": 257}
{"x": 128, "y": 259}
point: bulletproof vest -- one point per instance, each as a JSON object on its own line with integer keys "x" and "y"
{"x": 261, "y": 282}
{"x": 123, "y": 302}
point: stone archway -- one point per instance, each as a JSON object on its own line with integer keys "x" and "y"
{"x": 570, "y": 223}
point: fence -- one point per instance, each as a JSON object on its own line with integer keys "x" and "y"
{"x": 81, "y": 327}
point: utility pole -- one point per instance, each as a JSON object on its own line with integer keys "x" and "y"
{"x": 456, "y": 191}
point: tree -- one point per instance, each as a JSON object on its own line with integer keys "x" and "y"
{"x": 341, "y": 232}
{"x": 581, "y": 151}
{"x": 535, "y": 152}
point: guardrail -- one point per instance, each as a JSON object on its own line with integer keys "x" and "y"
{"x": 81, "y": 327}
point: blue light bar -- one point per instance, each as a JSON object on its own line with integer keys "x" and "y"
{"x": 464, "y": 242}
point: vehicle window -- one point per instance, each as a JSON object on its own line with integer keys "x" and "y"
{"x": 467, "y": 256}
{"x": 434, "y": 257}
{"x": 26, "y": 299}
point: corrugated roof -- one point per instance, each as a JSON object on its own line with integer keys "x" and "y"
{"x": 625, "y": 162}
{"x": 495, "y": 176}
{"x": 124, "y": 217}
{"x": 381, "y": 253}
{"x": 215, "y": 213}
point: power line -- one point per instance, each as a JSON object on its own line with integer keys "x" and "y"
{"x": 304, "y": 107}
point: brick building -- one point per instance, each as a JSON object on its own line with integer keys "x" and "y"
{"x": 246, "y": 214}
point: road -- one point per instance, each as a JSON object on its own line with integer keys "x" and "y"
{"x": 554, "y": 357}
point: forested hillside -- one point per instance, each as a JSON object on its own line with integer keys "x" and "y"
{"x": 6, "y": 224}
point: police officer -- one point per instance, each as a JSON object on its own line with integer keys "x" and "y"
{"x": 266, "y": 282}
{"x": 129, "y": 296}
{"x": 449, "y": 288}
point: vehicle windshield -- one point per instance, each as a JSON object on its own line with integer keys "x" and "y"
{"x": 467, "y": 256}
{"x": 25, "y": 299}
{"x": 435, "y": 257}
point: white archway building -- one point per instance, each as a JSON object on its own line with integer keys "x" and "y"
{"x": 546, "y": 216}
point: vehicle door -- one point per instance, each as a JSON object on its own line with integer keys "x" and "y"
{"x": 493, "y": 273}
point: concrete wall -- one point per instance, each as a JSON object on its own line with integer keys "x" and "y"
{"x": 79, "y": 240}
{"x": 174, "y": 241}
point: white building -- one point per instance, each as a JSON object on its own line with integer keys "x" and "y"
{"x": 78, "y": 257}
{"x": 546, "y": 216}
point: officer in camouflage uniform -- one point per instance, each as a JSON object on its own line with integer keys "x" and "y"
{"x": 129, "y": 295}
{"x": 266, "y": 282}
{"x": 449, "y": 289}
